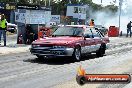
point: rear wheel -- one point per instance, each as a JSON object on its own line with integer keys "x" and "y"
{"x": 101, "y": 51}
{"x": 77, "y": 54}
{"x": 12, "y": 31}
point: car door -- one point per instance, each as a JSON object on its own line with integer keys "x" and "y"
{"x": 88, "y": 41}
{"x": 97, "y": 38}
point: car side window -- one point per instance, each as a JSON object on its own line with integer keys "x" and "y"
{"x": 95, "y": 33}
{"x": 88, "y": 33}
{"x": 78, "y": 31}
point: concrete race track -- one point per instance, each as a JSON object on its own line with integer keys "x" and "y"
{"x": 23, "y": 70}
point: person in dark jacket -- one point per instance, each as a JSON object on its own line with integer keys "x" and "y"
{"x": 29, "y": 34}
{"x": 129, "y": 29}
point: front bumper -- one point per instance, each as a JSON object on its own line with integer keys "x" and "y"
{"x": 56, "y": 52}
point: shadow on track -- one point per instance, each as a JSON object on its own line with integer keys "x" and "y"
{"x": 59, "y": 61}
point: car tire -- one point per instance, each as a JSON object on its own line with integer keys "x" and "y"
{"x": 12, "y": 31}
{"x": 39, "y": 57}
{"x": 101, "y": 51}
{"x": 77, "y": 54}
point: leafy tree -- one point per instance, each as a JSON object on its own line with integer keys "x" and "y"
{"x": 112, "y": 8}
{"x": 86, "y": 2}
{"x": 96, "y": 7}
{"x": 23, "y": 1}
{"x": 60, "y": 6}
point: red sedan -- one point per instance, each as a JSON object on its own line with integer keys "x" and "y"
{"x": 71, "y": 40}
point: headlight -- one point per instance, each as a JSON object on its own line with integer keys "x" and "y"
{"x": 59, "y": 47}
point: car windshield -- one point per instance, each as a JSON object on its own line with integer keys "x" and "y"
{"x": 68, "y": 31}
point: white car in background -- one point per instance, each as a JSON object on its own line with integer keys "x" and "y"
{"x": 11, "y": 27}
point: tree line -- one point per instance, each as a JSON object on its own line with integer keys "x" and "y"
{"x": 59, "y": 6}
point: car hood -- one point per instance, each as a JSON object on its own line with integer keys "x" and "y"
{"x": 57, "y": 40}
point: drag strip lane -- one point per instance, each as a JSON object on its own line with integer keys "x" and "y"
{"x": 23, "y": 71}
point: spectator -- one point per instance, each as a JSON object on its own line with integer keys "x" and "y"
{"x": 29, "y": 34}
{"x": 3, "y": 28}
{"x": 129, "y": 28}
{"x": 91, "y": 22}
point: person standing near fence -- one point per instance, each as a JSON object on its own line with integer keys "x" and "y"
{"x": 3, "y": 28}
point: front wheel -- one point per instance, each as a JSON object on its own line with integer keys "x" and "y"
{"x": 77, "y": 54}
{"x": 39, "y": 57}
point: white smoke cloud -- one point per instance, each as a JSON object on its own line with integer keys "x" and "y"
{"x": 108, "y": 19}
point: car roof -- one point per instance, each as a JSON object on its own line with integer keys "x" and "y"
{"x": 10, "y": 24}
